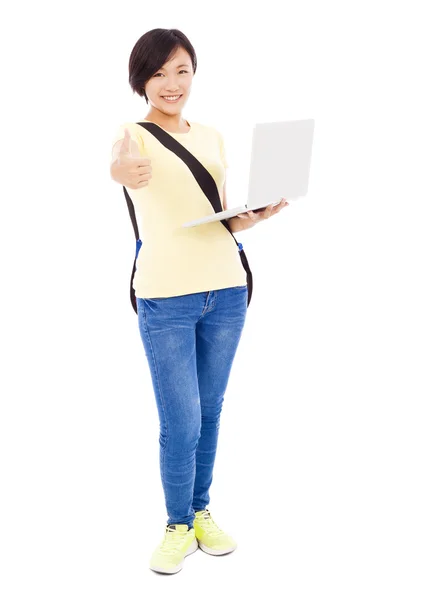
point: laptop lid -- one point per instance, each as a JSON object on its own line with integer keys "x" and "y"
{"x": 280, "y": 161}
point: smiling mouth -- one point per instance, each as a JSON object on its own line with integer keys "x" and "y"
{"x": 166, "y": 98}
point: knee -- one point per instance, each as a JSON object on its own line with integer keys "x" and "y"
{"x": 183, "y": 434}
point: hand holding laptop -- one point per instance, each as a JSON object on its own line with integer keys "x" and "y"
{"x": 252, "y": 217}
{"x": 282, "y": 202}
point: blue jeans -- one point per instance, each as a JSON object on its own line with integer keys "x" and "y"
{"x": 190, "y": 342}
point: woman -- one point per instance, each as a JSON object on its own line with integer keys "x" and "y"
{"x": 190, "y": 287}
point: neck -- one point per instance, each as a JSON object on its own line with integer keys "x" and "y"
{"x": 167, "y": 121}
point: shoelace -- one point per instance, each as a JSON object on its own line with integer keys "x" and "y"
{"x": 171, "y": 541}
{"x": 210, "y": 526}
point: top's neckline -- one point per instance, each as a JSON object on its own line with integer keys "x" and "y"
{"x": 172, "y": 132}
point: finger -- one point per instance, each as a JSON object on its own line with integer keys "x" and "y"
{"x": 140, "y": 168}
{"x": 246, "y": 215}
{"x": 141, "y": 162}
{"x": 279, "y": 207}
{"x": 134, "y": 149}
{"x": 139, "y": 165}
{"x": 268, "y": 211}
{"x": 125, "y": 147}
{"x": 254, "y": 216}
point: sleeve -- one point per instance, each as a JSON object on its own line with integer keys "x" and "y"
{"x": 222, "y": 150}
{"x": 119, "y": 135}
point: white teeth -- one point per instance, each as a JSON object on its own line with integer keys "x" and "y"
{"x": 171, "y": 97}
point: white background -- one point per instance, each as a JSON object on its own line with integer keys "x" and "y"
{"x": 323, "y": 472}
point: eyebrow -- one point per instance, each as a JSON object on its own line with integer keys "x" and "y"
{"x": 178, "y": 67}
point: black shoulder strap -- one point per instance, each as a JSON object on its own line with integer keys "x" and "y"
{"x": 206, "y": 183}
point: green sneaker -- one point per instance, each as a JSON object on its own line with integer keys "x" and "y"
{"x": 210, "y": 537}
{"x": 170, "y": 554}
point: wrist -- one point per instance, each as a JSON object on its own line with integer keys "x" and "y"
{"x": 233, "y": 224}
{"x": 237, "y": 224}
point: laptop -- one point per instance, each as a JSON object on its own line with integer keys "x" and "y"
{"x": 279, "y": 167}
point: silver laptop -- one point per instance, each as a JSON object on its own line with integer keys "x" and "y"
{"x": 279, "y": 167}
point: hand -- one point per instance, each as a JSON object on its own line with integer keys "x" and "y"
{"x": 251, "y": 218}
{"x": 130, "y": 168}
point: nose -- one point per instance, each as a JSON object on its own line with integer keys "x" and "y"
{"x": 172, "y": 86}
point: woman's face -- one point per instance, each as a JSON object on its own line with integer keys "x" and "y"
{"x": 174, "y": 78}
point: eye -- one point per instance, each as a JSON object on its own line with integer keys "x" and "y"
{"x": 182, "y": 71}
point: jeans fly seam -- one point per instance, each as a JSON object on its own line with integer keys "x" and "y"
{"x": 209, "y": 308}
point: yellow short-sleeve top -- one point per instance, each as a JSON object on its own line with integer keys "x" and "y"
{"x": 174, "y": 260}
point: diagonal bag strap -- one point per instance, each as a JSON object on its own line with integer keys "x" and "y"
{"x": 206, "y": 183}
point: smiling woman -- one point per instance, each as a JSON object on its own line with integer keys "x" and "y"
{"x": 191, "y": 286}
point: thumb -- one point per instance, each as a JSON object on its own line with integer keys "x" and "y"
{"x": 125, "y": 146}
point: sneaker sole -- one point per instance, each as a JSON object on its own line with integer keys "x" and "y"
{"x": 192, "y": 548}
{"x": 214, "y": 551}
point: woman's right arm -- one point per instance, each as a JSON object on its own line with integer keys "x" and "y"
{"x": 128, "y": 167}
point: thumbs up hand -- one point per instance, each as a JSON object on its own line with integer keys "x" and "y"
{"x": 128, "y": 167}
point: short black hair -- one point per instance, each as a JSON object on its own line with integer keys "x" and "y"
{"x": 152, "y": 51}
